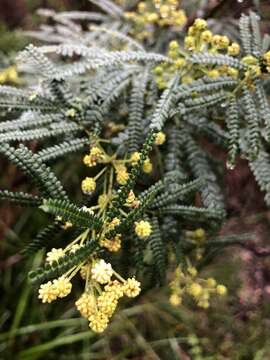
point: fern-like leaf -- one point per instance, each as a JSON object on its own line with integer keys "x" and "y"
{"x": 70, "y": 212}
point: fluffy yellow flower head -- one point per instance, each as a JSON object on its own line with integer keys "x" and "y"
{"x": 160, "y": 138}
{"x": 115, "y": 288}
{"x": 87, "y": 160}
{"x": 175, "y": 300}
{"x": 106, "y": 303}
{"x": 132, "y": 287}
{"x": 112, "y": 245}
{"x": 192, "y": 271}
{"x": 88, "y": 185}
{"x": 173, "y": 45}
{"x": 47, "y": 292}
{"x": 200, "y": 24}
{"x": 86, "y": 305}
{"x": 221, "y": 290}
{"x": 195, "y": 290}
{"x": 207, "y": 36}
{"x": 102, "y": 272}
{"x": 54, "y": 255}
{"x": 233, "y": 72}
{"x": 211, "y": 282}
{"x": 10, "y": 76}
{"x": 213, "y": 73}
{"x": 234, "y": 49}
{"x": 122, "y": 175}
{"x": 189, "y": 42}
{"x": 179, "y": 63}
{"x": 147, "y": 166}
{"x": 98, "y": 322}
{"x": 95, "y": 154}
{"x": 224, "y": 42}
{"x": 63, "y": 286}
{"x": 143, "y": 229}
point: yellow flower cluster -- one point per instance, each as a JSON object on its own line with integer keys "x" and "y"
{"x": 160, "y": 138}
{"x": 122, "y": 174}
{"x": 96, "y": 154}
{"x": 51, "y": 290}
{"x": 88, "y": 185}
{"x": 102, "y": 272}
{"x": 156, "y": 12}
{"x": 132, "y": 288}
{"x": 143, "y": 229}
{"x": 86, "y": 305}
{"x": 135, "y": 157}
{"x": 107, "y": 302}
{"x": 113, "y": 244}
{"x": 10, "y": 76}
{"x": 199, "y": 289}
{"x": 197, "y": 236}
{"x": 102, "y": 292}
{"x": 199, "y": 39}
{"x": 254, "y": 67}
{"x": 147, "y": 166}
{"x": 99, "y": 305}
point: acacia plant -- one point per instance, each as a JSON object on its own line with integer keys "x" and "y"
{"x": 138, "y": 98}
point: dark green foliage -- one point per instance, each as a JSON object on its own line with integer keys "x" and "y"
{"x": 20, "y": 198}
{"x": 32, "y": 166}
{"x": 158, "y": 250}
{"x": 136, "y": 112}
{"x": 191, "y": 212}
{"x": 42, "y": 239}
{"x": 41, "y": 133}
{"x": 253, "y": 129}
{"x": 217, "y": 59}
{"x": 232, "y": 122}
{"x": 211, "y": 193}
{"x": 70, "y": 212}
{"x": 245, "y": 33}
{"x": 176, "y": 192}
{"x": 164, "y": 106}
{"x": 60, "y": 150}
